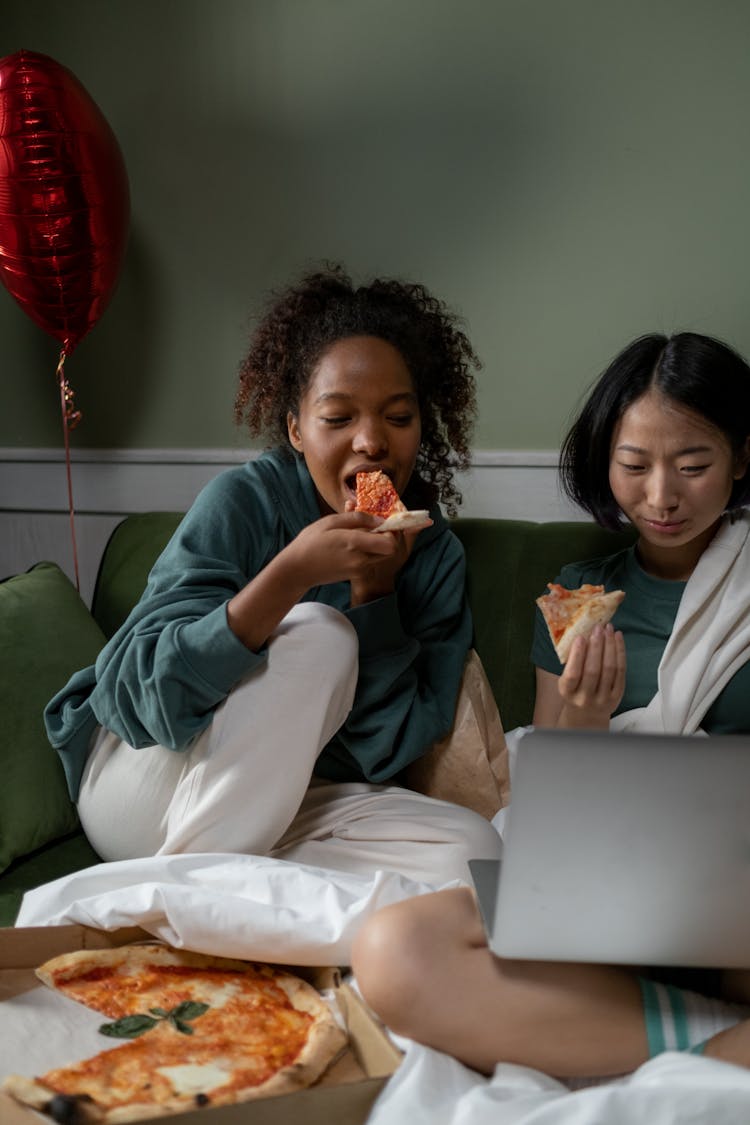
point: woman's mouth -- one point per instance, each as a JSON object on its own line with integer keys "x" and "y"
{"x": 665, "y": 527}
{"x": 350, "y": 488}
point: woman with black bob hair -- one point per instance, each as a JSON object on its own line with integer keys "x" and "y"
{"x": 662, "y": 443}
{"x": 700, "y": 373}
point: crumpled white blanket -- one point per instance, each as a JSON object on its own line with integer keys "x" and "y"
{"x": 430, "y": 1088}
{"x": 251, "y": 906}
{"x": 710, "y": 638}
{"x": 228, "y": 905}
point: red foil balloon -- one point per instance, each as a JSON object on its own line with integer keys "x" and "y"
{"x": 64, "y": 199}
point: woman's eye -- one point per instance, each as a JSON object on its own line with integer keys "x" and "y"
{"x": 631, "y": 468}
{"x": 694, "y": 470}
{"x": 335, "y": 420}
{"x": 401, "y": 419}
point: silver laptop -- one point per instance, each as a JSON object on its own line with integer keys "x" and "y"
{"x": 624, "y": 848}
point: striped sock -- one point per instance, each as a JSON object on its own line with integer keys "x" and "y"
{"x": 680, "y": 1020}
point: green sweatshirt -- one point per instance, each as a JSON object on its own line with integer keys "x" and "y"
{"x": 160, "y": 677}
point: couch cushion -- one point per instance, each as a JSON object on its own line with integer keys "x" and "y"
{"x": 46, "y": 634}
{"x": 71, "y": 853}
{"x": 133, "y": 548}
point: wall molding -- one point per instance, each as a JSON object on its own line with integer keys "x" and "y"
{"x": 107, "y": 484}
{"x": 512, "y": 483}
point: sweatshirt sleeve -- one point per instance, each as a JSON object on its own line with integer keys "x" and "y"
{"x": 161, "y": 676}
{"x": 412, "y": 650}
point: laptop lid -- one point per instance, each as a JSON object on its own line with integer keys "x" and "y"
{"x": 626, "y": 848}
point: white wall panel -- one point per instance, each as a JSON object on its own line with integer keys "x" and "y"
{"x": 34, "y": 511}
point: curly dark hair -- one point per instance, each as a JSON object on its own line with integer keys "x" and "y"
{"x": 304, "y": 320}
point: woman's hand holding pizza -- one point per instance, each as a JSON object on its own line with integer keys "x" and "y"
{"x": 379, "y": 578}
{"x": 342, "y": 548}
{"x": 336, "y": 548}
{"x": 593, "y": 679}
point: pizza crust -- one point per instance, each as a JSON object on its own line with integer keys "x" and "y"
{"x": 405, "y": 521}
{"x": 80, "y": 961}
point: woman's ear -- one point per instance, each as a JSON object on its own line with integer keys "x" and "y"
{"x": 741, "y": 463}
{"x": 295, "y": 437}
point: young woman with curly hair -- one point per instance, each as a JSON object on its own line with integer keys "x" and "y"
{"x": 285, "y": 664}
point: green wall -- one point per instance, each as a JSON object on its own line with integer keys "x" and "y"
{"x": 566, "y": 173}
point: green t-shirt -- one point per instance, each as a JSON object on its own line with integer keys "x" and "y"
{"x": 646, "y": 618}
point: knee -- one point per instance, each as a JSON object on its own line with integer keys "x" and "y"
{"x": 326, "y": 624}
{"x": 387, "y": 961}
{"x": 400, "y": 952}
{"x": 326, "y": 633}
{"x": 483, "y": 841}
{"x": 470, "y": 836}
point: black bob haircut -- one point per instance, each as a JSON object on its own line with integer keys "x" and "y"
{"x": 697, "y": 372}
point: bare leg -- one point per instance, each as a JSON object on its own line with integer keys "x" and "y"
{"x": 732, "y": 1045}
{"x": 424, "y": 966}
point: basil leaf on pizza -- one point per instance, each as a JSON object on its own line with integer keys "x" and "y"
{"x": 131, "y": 1026}
{"x": 200, "y": 1030}
{"x": 574, "y": 613}
{"x": 377, "y": 496}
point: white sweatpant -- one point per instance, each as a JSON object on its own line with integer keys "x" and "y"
{"x": 245, "y": 783}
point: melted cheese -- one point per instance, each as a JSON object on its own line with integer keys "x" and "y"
{"x": 194, "y": 1078}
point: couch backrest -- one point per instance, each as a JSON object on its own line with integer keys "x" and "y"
{"x": 131, "y": 551}
{"x": 509, "y": 563}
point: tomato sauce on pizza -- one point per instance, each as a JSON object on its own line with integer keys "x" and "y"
{"x": 573, "y": 613}
{"x": 376, "y": 495}
{"x": 198, "y": 1031}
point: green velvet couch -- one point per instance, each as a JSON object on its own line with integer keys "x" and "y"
{"x": 509, "y": 562}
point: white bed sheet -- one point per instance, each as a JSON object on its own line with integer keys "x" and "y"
{"x": 251, "y": 906}
{"x": 430, "y": 1088}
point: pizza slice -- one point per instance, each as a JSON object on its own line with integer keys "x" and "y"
{"x": 376, "y": 495}
{"x": 198, "y": 1031}
{"x": 574, "y": 613}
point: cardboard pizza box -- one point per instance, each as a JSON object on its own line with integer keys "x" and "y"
{"x": 344, "y": 1094}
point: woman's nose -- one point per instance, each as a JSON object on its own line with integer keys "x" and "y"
{"x": 370, "y": 438}
{"x": 661, "y": 492}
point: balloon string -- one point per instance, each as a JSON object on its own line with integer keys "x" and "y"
{"x": 70, "y": 419}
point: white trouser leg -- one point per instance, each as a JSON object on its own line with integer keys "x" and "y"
{"x": 241, "y": 782}
{"x": 361, "y": 828}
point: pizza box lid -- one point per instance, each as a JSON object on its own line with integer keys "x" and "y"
{"x": 344, "y": 1094}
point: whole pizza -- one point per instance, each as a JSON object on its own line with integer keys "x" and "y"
{"x": 195, "y": 1031}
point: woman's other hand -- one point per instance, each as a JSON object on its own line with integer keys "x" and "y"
{"x": 593, "y": 680}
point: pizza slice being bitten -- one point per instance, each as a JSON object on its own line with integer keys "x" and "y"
{"x": 377, "y": 496}
{"x": 574, "y": 613}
